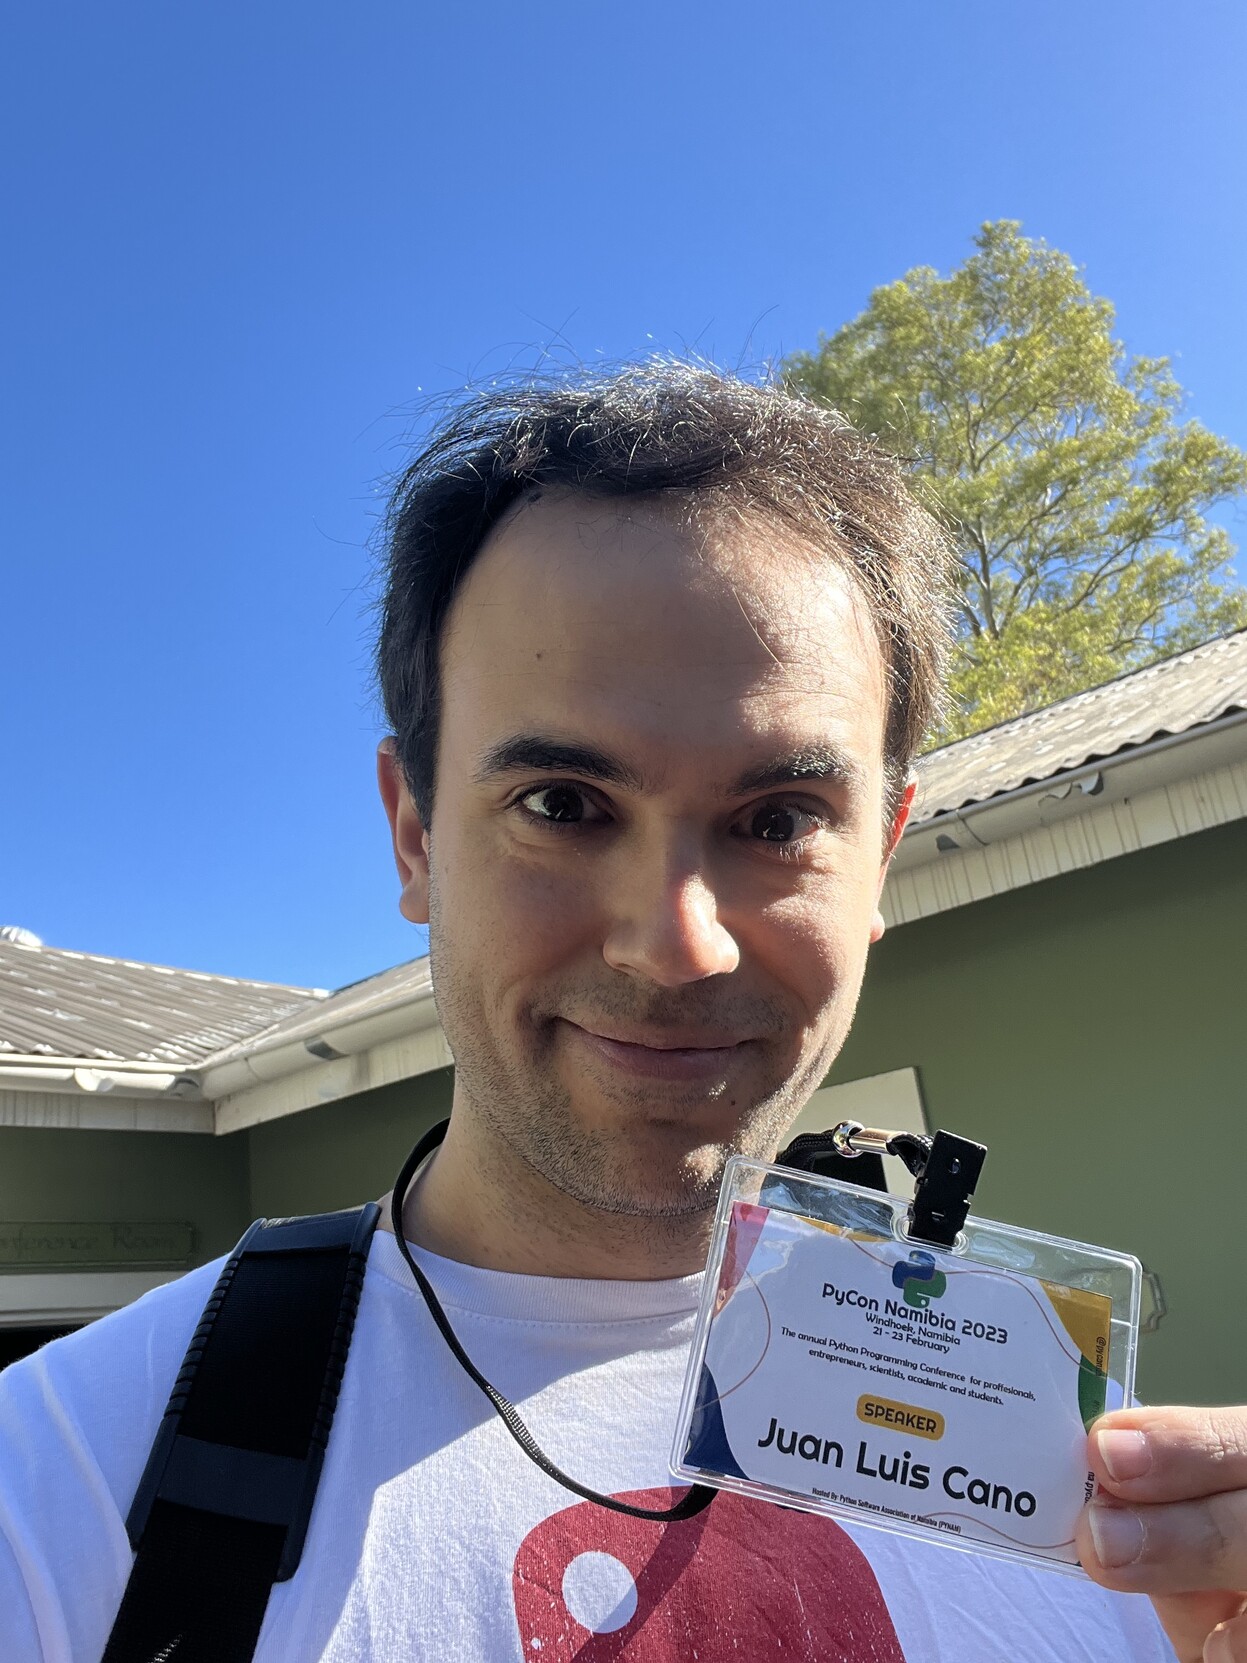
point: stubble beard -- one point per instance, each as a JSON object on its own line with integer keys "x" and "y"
{"x": 641, "y": 1169}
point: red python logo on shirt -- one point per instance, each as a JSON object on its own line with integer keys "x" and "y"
{"x": 743, "y": 1579}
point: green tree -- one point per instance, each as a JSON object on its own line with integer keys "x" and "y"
{"x": 1076, "y": 491}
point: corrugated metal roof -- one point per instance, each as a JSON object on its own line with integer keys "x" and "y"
{"x": 58, "y": 1003}
{"x": 1172, "y": 697}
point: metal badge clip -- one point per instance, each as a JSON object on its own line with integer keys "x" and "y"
{"x": 946, "y": 1169}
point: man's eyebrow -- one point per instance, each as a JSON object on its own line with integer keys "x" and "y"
{"x": 541, "y": 753}
{"x": 822, "y": 763}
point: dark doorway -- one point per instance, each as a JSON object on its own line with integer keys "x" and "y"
{"x": 20, "y": 1342}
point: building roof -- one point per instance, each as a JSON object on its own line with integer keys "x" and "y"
{"x": 1172, "y": 697}
{"x": 55, "y": 1002}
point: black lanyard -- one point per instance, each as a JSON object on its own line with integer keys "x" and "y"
{"x": 694, "y": 1499}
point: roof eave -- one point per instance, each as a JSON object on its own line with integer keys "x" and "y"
{"x": 1072, "y": 791}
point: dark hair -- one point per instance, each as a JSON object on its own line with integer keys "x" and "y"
{"x": 646, "y": 430}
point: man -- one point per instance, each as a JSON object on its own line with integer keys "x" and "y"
{"x": 657, "y": 654}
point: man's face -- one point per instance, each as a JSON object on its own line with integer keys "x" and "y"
{"x": 656, "y": 847}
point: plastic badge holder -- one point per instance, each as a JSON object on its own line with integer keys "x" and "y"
{"x": 841, "y": 1366}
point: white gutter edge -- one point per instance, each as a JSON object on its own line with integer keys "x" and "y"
{"x": 404, "y": 1057}
{"x": 93, "y": 1076}
{"x": 1075, "y": 790}
{"x": 413, "y": 1014}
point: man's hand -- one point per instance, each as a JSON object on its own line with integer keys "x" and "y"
{"x": 1172, "y": 1522}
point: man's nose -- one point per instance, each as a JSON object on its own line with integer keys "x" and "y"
{"x": 666, "y": 925}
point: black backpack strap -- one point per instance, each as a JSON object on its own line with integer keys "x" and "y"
{"x": 222, "y": 1508}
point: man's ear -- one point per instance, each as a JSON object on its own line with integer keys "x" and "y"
{"x": 889, "y": 849}
{"x": 411, "y": 838}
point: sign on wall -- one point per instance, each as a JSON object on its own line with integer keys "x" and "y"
{"x": 80, "y": 1246}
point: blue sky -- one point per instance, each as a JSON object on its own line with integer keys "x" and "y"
{"x": 244, "y": 242}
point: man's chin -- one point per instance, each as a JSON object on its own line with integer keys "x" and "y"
{"x": 643, "y": 1154}
{"x": 658, "y": 1172}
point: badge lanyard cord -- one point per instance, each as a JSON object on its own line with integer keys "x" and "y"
{"x": 695, "y": 1498}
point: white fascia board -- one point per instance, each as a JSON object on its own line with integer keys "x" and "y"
{"x": 1079, "y": 790}
{"x": 1141, "y": 805}
{"x": 81, "y": 1111}
{"x": 245, "y": 1070}
{"x": 384, "y": 1063}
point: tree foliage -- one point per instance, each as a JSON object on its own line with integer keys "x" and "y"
{"x": 1076, "y": 490}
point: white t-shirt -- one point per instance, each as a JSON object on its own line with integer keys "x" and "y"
{"x": 435, "y": 1538}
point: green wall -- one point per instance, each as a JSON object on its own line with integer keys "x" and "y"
{"x": 339, "y": 1154}
{"x": 48, "y": 1175}
{"x": 1092, "y": 1031}
{"x": 335, "y": 1155}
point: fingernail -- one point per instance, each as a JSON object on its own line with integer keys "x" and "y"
{"x": 1124, "y": 1454}
{"x": 1117, "y": 1533}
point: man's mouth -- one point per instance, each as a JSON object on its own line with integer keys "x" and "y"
{"x": 666, "y": 1054}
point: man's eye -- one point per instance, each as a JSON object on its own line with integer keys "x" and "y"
{"x": 564, "y": 805}
{"x": 781, "y": 823}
